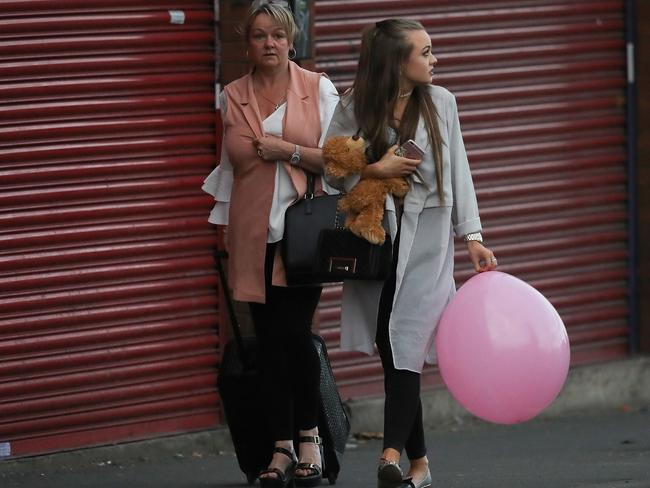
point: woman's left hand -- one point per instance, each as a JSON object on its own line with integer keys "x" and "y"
{"x": 271, "y": 148}
{"x": 482, "y": 258}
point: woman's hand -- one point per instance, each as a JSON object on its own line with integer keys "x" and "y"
{"x": 271, "y": 148}
{"x": 391, "y": 166}
{"x": 223, "y": 229}
{"x": 482, "y": 258}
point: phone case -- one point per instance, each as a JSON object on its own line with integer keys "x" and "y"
{"x": 410, "y": 150}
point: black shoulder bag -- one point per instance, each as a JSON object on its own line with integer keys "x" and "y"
{"x": 317, "y": 248}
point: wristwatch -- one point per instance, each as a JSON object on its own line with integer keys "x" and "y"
{"x": 474, "y": 236}
{"x": 295, "y": 157}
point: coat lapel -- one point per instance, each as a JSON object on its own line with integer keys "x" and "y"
{"x": 250, "y": 109}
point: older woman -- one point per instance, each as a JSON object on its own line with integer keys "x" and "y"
{"x": 274, "y": 123}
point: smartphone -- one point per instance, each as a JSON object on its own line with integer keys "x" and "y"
{"x": 410, "y": 150}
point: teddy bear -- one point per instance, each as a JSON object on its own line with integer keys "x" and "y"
{"x": 364, "y": 204}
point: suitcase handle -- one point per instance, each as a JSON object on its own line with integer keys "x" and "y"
{"x": 234, "y": 322}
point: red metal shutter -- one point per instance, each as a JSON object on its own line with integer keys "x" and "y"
{"x": 108, "y": 312}
{"x": 540, "y": 88}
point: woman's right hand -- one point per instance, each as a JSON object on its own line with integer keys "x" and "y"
{"x": 391, "y": 166}
{"x": 224, "y": 236}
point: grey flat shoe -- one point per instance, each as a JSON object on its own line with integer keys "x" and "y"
{"x": 425, "y": 483}
{"x": 389, "y": 474}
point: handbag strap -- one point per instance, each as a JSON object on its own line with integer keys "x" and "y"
{"x": 311, "y": 190}
{"x": 311, "y": 185}
{"x": 234, "y": 322}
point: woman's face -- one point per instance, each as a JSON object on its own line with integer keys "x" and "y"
{"x": 268, "y": 43}
{"x": 418, "y": 68}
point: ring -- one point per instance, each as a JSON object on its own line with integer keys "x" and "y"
{"x": 259, "y": 153}
{"x": 493, "y": 259}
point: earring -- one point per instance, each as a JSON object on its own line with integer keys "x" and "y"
{"x": 292, "y": 56}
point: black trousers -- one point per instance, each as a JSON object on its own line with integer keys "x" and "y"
{"x": 289, "y": 361}
{"x": 403, "y": 427}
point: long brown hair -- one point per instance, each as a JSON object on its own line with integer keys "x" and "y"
{"x": 384, "y": 49}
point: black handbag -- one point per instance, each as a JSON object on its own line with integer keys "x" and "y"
{"x": 317, "y": 248}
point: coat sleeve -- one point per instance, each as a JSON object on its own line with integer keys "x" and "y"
{"x": 329, "y": 98}
{"x": 465, "y": 216}
{"x": 343, "y": 123}
{"x": 328, "y": 102}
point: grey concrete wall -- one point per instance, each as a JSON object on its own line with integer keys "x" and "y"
{"x": 603, "y": 386}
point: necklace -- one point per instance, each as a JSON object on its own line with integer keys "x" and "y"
{"x": 276, "y": 83}
{"x": 277, "y": 105}
{"x": 405, "y": 94}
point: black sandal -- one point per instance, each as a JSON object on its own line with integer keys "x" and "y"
{"x": 283, "y": 478}
{"x": 315, "y": 476}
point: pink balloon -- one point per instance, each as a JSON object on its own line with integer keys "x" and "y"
{"x": 503, "y": 351}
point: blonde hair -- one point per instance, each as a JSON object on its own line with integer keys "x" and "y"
{"x": 281, "y": 15}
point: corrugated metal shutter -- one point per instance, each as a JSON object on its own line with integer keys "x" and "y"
{"x": 108, "y": 309}
{"x": 540, "y": 88}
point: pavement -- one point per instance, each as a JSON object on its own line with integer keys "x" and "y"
{"x": 607, "y": 448}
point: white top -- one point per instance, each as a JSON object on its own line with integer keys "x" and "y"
{"x": 219, "y": 182}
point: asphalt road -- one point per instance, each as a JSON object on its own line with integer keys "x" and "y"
{"x": 606, "y": 450}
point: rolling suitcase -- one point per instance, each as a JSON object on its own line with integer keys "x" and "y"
{"x": 333, "y": 422}
{"x": 239, "y": 385}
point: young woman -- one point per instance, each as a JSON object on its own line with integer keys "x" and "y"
{"x": 392, "y": 101}
{"x": 274, "y": 123}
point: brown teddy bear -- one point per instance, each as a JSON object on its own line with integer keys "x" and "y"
{"x": 364, "y": 204}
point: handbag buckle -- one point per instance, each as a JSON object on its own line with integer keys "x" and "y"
{"x": 343, "y": 265}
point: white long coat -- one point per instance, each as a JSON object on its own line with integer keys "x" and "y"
{"x": 425, "y": 282}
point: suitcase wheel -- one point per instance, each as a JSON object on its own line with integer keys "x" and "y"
{"x": 251, "y": 477}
